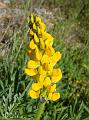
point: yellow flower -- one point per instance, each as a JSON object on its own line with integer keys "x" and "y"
{"x": 41, "y": 71}
{"x": 49, "y": 40}
{"x": 33, "y": 94}
{"x": 34, "y": 26}
{"x": 42, "y": 45}
{"x": 42, "y": 60}
{"x": 41, "y": 80}
{"x": 38, "y": 54}
{"x": 38, "y": 19}
{"x": 49, "y": 50}
{"x": 50, "y": 96}
{"x": 56, "y": 75}
{"x": 55, "y": 58}
{"x": 36, "y": 39}
{"x": 51, "y": 88}
{"x": 45, "y": 59}
{"x": 48, "y": 67}
{"x": 33, "y": 64}
{"x": 47, "y": 81}
{"x": 30, "y": 72}
{"x": 42, "y": 26}
{"x": 32, "y": 45}
{"x": 55, "y": 96}
{"x": 31, "y": 32}
{"x": 36, "y": 86}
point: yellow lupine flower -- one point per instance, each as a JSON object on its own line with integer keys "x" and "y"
{"x": 32, "y": 45}
{"x": 30, "y": 72}
{"x": 47, "y": 81}
{"x": 33, "y": 64}
{"x": 45, "y": 59}
{"x": 56, "y": 75}
{"x": 49, "y": 40}
{"x": 50, "y": 96}
{"x": 41, "y": 71}
{"x": 42, "y": 26}
{"x": 34, "y": 26}
{"x": 33, "y": 94}
{"x": 48, "y": 67}
{"x": 42, "y": 44}
{"x": 55, "y": 96}
{"x": 42, "y": 60}
{"x": 55, "y": 58}
{"x": 49, "y": 50}
{"x": 31, "y": 32}
{"x": 36, "y": 39}
{"x": 38, "y": 19}
{"x": 51, "y": 88}
{"x": 38, "y": 54}
{"x": 36, "y": 86}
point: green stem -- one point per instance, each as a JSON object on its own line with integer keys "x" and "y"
{"x": 41, "y": 108}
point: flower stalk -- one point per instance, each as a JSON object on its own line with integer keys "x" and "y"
{"x": 40, "y": 111}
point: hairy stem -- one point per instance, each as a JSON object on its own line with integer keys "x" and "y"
{"x": 41, "y": 108}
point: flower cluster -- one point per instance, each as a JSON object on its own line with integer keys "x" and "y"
{"x": 43, "y": 59}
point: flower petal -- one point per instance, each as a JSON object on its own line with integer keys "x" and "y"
{"x": 33, "y": 64}
{"x": 36, "y": 86}
{"x": 30, "y": 72}
{"x": 33, "y": 94}
{"x": 47, "y": 81}
{"x": 55, "y": 96}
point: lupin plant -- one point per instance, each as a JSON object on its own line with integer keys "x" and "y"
{"x": 41, "y": 66}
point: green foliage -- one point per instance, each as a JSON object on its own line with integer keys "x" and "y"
{"x": 71, "y": 32}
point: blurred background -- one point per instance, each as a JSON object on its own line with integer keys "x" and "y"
{"x": 68, "y": 22}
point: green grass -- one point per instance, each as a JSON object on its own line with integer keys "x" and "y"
{"x": 74, "y": 86}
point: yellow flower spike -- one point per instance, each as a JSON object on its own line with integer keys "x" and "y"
{"x": 32, "y": 45}
{"x": 30, "y": 72}
{"x": 42, "y": 60}
{"x": 33, "y": 94}
{"x": 36, "y": 86}
{"x": 34, "y": 26}
{"x": 36, "y": 39}
{"x": 32, "y": 18}
{"x": 38, "y": 54}
{"x": 33, "y": 64}
{"x": 55, "y": 96}
{"x": 42, "y": 44}
{"x": 51, "y": 88}
{"x": 56, "y": 75}
{"x": 45, "y": 59}
{"x": 41, "y": 71}
{"x": 49, "y": 50}
{"x": 47, "y": 81}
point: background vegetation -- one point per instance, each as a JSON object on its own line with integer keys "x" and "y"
{"x": 71, "y": 32}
